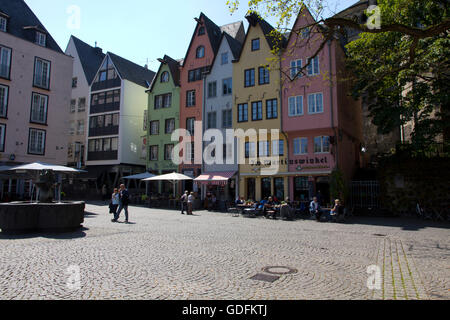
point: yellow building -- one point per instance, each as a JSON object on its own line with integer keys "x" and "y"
{"x": 257, "y": 106}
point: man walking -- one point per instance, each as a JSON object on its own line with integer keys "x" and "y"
{"x": 124, "y": 200}
{"x": 184, "y": 200}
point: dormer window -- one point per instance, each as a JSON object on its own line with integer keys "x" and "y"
{"x": 41, "y": 38}
{"x": 3, "y": 24}
{"x": 201, "y": 31}
{"x": 200, "y": 52}
{"x": 165, "y": 77}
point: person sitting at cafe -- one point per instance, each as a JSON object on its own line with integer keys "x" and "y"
{"x": 338, "y": 209}
{"x": 269, "y": 206}
{"x": 239, "y": 200}
{"x": 315, "y": 208}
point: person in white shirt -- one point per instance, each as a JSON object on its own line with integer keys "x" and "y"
{"x": 314, "y": 208}
{"x": 191, "y": 199}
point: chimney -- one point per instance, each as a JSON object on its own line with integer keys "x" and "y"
{"x": 98, "y": 50}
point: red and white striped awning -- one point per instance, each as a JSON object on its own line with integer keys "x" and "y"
{"x": 215, "y": 178}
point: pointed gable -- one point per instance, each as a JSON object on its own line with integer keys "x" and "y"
{"x": 174, "y": 67}
{"x": 131, "y": 71}
{"x": 90, "y": 58}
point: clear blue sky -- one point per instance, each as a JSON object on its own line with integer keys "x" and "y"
{"x": 139, "y": 29}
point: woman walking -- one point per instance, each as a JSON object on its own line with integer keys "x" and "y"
{"x": 114, "y": 202}
{"x": 191, "y": 199}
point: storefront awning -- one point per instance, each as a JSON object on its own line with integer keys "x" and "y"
{"x": 215, "y": 178}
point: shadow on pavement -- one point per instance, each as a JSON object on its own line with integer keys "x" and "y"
{"x": 407, "y": 224}
{"x": 49, "y": 234}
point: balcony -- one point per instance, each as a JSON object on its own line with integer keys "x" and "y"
{"x": 108, "y": 84}
{"x": 104, "y": 131}
{"x": 106, "y": 107}
{"x": 103, "y": 156}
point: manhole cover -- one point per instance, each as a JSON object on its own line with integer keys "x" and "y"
{"x": 280, "y": 270}
{"x": 265, "y": 277}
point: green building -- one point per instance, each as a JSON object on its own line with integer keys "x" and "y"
{"x": 163, "y": 118}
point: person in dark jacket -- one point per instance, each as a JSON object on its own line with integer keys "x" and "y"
{"x": 123, "y": 203}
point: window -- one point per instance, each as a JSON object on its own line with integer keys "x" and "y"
{"x": 165, "y": 77}
{"x": 190, "y": 98}
{"x": 190, "y": 152}
{"x": 170, "y": 126}
{"x": 154, "y": 128}
{"x": 224, "y": 58}
{"x": 106, "y": 72}
{"x": 313, "y": 67}
{"x": 158, "y": 102}
{"x": 80, "y": 127}
{"x": 227, "y": 86}
{"x": 73, "y": 104}
{"x": 36, "y": 142}
{"x": 272, "y": 109}
{"x": 278, "y": 147}
{"x": 3, "y": 24}
{"x": 163, "y": 101}
{"x": 168, "y": 150}
{"x": 41, "y": 38}
{"x": 196, "y": 74}
{"x": 41, "y": 73}
{"x": 300, "y": 146}
{"x": 201, "y": 31}
{"x": 322, "y": 144}
{"x": 295, "y": 106}
{"x": 74, "y": 82}
{"x": 145, "y": 121}
{"x": 212, "y": 89}
{"x": 115, "y": 119}
{"x": 255, "y": 44}
{"x": 263, "y": 149}
{"x": 257, "y": 112}
{"x": 315, "y": 103}
{"x": 153, "y": 153}
{"x": 227, "y": 118}
{"x": 200, "y": 53}
{"x": 250, "y": 150}
{"x": 2, "y": 137}
{"x": 4, "y": 91}
{"x": 249, "y": 78}
{"x": 81, "y": 104}
{"x": 5, "y": 62}
{"x": 243, "y": 112}
{"x": 39, "y": 104}
{"x": 264, "y": 75}
{"x": 296, "y": 68}
{"x": 306, "y": 33}
{"x": 190, "y": 125}
{"x": 108, "y": 120}
{"x": 212, "y": 120}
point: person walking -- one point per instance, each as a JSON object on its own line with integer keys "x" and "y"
{"x": 191, "y": 199}
{"x": 184, "y": 202}
{"x": 115, "y": 199}
{"x": 314, "y": 208}
{"x": 123, "y": 203}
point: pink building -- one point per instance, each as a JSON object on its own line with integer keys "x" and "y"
{"x": 320, "y": 118}
{"x": 35, "y": 90}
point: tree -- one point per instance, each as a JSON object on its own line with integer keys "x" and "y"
{"x": 400, "y": 67}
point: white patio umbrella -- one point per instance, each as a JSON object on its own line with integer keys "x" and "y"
{"x": 141, "y": 176}
{"x": 39, "y": 166}
{"x": 172, "y": 177}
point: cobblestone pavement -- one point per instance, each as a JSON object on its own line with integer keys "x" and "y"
{"x": 166, "y": 255}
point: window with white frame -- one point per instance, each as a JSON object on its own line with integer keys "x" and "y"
{"x": 5, "y": 62}
{"x": 212, "y": 89}
{"x": 165, "y": 77}
{"x": 39, "y": 106}
{"x": 227, "y": 118}
{"x": 2, "y": 137}
{"x": 154, "y": 128}
{"x": 224, "y": 58}
{"x": 315, "y": 103}
{"x": 41, "y": 38}
{"x": 295, "y": 106}
{"x": 190, "y": 151}
{"x": 263, "y": 148}
{"x": 81, "y": 104}
{"x": 170, "y": 126}
{"x": 200, "y": 53}
{"x": 296, "y": 67}
{"x": 190, "y": 98}
{"x": 168, "y": 150}
{"x": 42, "y": 73}
{"x": 313, "y": 67}
{"x": 250, "y": 150}
{"x": 227, "y": 86}
{"x": 190, "y": 125}
{"x": 4, "y": 91}
{"x": 322, "y": 144}
{"x": 278, "y": 148}
{"x": 73, "y": 104}
{"x": 300, "y": 146}
{"x": 80, "y": 127}
{"x": 36, "y": 142}
{"x": 212, "y": 120}
{"x": 154, "y": 153}
{"x": 3, "y": 24}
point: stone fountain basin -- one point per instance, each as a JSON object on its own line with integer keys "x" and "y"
{"x": 26, "y": 216}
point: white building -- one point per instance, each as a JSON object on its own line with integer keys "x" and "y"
{"x": 218, "y": 115}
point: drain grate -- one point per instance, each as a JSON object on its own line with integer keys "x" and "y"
{"x": 265, "y": 277}
{"x": 280, "y": 270}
